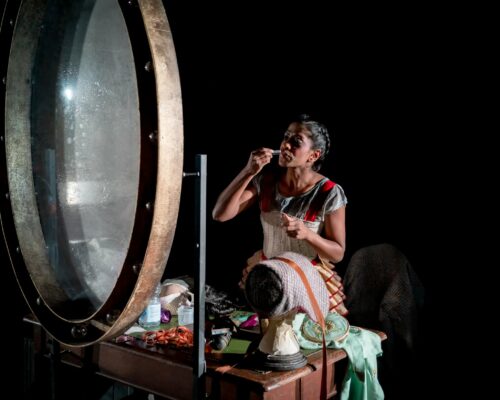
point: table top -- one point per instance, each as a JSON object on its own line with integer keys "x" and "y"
{"x": 233, "y": 364}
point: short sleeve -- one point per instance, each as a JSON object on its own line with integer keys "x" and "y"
{"x": 335, "y": 200}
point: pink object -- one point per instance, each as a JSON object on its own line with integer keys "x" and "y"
{"x": 250, "y": 322}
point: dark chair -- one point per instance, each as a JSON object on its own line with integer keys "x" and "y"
{"x": 384, "y": 293}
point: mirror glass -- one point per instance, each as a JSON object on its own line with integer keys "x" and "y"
{"x": 85, "y": 145}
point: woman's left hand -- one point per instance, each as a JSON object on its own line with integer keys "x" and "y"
{"x": 294, "y": 227}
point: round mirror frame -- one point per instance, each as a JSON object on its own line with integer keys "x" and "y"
{"x": 160, "y": 175}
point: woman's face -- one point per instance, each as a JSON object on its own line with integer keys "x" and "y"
{"x": 296, "y": 147}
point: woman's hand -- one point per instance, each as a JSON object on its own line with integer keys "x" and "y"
{"x": 259, "y": 159}
{"x": 244, "y": 276}
{"x": 295, "y": 227}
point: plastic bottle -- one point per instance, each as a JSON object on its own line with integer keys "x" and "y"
{"x": 151, "y": 316}
{"x": 185, "y": 315}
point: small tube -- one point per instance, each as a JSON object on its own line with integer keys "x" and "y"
{"x": 276, "y": 152}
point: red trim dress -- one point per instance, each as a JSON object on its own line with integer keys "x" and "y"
{"x": 311, "y": 207}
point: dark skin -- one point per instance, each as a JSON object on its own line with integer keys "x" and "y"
{"x": 297, "y": 156}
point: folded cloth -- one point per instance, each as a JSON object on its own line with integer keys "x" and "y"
{"x": 362, "y": 348}
{"x": 174, "y": 292}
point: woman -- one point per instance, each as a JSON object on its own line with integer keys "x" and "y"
{"x": 301, "y": 210}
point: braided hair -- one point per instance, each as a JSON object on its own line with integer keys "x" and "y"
{"x": 319, "y": 136}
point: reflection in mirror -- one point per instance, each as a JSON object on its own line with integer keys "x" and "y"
{"x": 85, "y": 145}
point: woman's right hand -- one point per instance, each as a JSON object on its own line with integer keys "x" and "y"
{"x": 251, "y": 262}
{"x": 244, "y": 276}
{"x": 259, "y": 159}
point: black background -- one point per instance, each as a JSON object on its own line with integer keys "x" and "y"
{"x": 376, "y": 77}
{"x": 384, "y": 81}
{"x": 380, "y": 78}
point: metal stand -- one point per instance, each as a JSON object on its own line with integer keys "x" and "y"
{"x": 199, "y": 367}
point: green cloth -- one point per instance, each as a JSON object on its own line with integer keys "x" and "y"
{"x": 235, "y": 346}
{"x": 362, "y": 348}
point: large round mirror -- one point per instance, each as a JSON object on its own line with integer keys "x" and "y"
{"x": 93, "y": 160}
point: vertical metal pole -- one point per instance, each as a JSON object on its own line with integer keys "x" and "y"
{"x": 54, "y": 367}
{"x": 199, "y": 278}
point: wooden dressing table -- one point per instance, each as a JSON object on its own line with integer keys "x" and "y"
{"x": 168, "y": 372}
